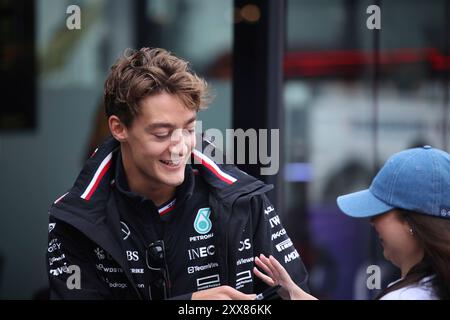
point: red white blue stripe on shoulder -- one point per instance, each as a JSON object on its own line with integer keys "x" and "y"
{"x": 93, "y": 153}
{"x": 106, "y": 163}
{"x": 101, "y": 170}
{"x": 213, "y": 167}
{"x": 60, "y": 198}
{"x": 167, "y": 208}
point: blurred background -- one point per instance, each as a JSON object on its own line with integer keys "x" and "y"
{"x": 344, "y": 97}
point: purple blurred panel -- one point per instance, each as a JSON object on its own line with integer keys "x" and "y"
{"x": 343, "y": 241}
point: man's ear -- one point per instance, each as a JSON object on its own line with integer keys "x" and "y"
{"x": 118, "y": 129}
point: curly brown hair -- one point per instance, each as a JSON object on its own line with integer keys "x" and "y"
{"x": 148, "y": 71}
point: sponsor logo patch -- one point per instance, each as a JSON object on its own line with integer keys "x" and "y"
{"x": 52, "y": 260}
{"x": 201, "y": 252}
{"x": 202, "y": 223}
{"x": 193, "y": 269}
{"x": 283, "y": 245}
{"x": 291, "y": 256}
{"x": 244, "y": 261}
{"x": 208, "y": 282}
{"x": 125, "y": 230}
{"x": 274, "y": 221}
{"x": 242, "y": 278}
{"x": 51, "y": 226}
{"x": 278, "y": 234}
{"x": 53, "y": 245}
{"x": 269, "y": 209}
{"x": 244, "y": 245}
{"x": 201, "y": 237}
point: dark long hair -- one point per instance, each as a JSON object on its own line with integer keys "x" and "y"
{"x": 433, "y": 234}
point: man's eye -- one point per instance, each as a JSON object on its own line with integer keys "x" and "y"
{"x": 161, "y": 135}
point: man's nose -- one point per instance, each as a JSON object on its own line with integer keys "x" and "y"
{"x": 178, "y": 150}
{"x": 178, "y": 143}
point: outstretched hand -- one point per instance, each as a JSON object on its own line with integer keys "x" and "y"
{"x": 276, "y": 274}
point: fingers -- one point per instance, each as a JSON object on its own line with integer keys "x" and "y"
{"x": 274, "y": 272}
{"x": 268, "y": 280}
{"x": 264, "y": 266}
{"x": 294, "y": 291}
{"x": 279, "y": 269}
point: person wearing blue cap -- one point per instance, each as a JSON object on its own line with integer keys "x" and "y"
{"x": 408, "y": 203}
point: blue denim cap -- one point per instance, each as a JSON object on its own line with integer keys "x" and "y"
{"x": 414, "y": 179}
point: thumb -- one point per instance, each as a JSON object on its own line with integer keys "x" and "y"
{"x": 250, "y": 297}
{"x": 237, "y": 295}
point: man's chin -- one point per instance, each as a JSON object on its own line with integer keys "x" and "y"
{"x": 172, "y": 178}
{"x": 174, "y": 181}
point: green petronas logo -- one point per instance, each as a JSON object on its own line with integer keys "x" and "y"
{"x": 202, "y": 223}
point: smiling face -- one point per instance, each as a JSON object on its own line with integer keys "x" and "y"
{"x": 158, "y": 143}
{"x": 399, "y": 244}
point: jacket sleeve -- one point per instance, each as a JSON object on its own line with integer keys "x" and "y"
{"x": 71, "y": 271}
{"x": 270, "y": 238}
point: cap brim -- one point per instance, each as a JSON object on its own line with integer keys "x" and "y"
{"x": 362, "y": 204}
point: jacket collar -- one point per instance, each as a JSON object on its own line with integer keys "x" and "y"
{"x": 93, "y": 183}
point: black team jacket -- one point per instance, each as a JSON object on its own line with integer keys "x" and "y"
{"x": 86, "y": 258}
